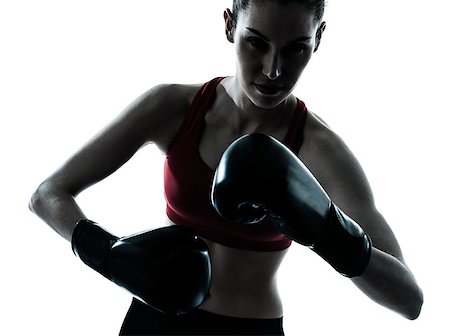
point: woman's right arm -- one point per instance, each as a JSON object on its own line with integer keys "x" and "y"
{"x": 154, "y": 117}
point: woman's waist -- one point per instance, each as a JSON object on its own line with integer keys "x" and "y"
{"x": 244, "y": 282}
{"x": 239, "y": 301}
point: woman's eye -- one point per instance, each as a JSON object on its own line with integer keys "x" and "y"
{"x": 257, "y": 43}
{"x": 296, "y": 49}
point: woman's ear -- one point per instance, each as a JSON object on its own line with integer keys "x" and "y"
{"x": 229, "y": 25}
{"x": 319, "y": 33}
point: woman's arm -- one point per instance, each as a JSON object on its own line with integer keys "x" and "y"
{"x": 387, "y": 279}
{"x": 152, "y": 118}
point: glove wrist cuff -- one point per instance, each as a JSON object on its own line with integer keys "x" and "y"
{"x": 92, "y": 244}
{"x": 344, "y": 244}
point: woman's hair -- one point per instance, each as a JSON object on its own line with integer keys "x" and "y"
{"x": 316, "y": 6}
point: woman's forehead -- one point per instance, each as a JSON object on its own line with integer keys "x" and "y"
{"x": 272, "y": 17}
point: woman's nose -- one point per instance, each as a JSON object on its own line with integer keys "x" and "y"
{"x": 272, "y": 66}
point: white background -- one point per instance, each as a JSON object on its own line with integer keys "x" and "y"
{"x": 380, "y": 79}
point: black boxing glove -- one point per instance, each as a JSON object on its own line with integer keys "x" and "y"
{"x": 167, "y": 268}
{"x": 258, "y": 176}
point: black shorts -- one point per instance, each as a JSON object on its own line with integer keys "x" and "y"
{"x": 144, "y": 320}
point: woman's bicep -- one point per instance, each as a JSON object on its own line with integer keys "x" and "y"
{"x": 98, "y": 158}
{"x": 343, "y": 178}
{"x": 142, "y": 122}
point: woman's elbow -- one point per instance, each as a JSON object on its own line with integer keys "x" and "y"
{"x": 40, "y": 197}
{"x": 414, "y": 306}
{"x": 36, "y": 200}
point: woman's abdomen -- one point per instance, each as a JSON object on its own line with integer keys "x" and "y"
{"x": 244, "y": 283}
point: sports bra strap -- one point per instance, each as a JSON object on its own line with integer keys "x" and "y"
{"x": 294, "y": 136}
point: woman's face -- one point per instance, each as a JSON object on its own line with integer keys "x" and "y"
{"x": 274, "y": 43}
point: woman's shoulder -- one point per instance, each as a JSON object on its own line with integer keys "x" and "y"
{"x": 318, "y": 135}
{"x": 162, "y": 109}
{"x": 325, "y": 153}
{"x": 170, "y": 95}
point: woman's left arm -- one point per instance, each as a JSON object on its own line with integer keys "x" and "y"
{"x": 387, "y": 279}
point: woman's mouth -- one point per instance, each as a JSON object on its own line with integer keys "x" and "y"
{"x": 268, "y": 90}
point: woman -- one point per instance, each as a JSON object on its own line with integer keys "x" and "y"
{"x": 193, "y": 125}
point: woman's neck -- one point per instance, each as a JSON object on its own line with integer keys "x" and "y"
{"x": 247, "y": 114}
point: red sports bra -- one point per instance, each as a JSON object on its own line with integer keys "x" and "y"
{"x": 188, "y": 180}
